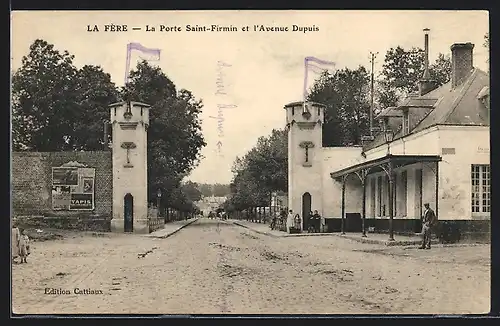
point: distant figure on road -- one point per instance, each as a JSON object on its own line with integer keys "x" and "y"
{"x": 428, "y": 221}
{"x": 317, "y": 221}
{"x": 289, "y": 221}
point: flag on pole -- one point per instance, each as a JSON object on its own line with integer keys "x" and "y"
{"x": 145, "y": 53}
{"x": 315, "y": 65}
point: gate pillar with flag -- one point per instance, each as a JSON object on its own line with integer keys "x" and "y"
{"x": 130, "y": 121}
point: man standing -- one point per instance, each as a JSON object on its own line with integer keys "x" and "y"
{"x": 317, "y": 221}
{"x": 428, "y": 221}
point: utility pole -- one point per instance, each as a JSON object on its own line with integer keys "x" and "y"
{"x": 372, "y": 60}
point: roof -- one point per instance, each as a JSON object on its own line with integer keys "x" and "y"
{"x": 375, "y": 164}
{"x": 443, "y": 106}
{"x": 390, "y": 112}
{"x": 293, "y": 104}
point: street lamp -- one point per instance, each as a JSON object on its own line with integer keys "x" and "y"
{"x": 389, "y": 137}
{"x": 158, "y": 200}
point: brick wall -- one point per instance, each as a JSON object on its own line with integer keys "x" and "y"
{"x": 32, "y": 182}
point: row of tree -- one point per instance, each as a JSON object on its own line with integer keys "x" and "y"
{"x": 59, "y": 107}
{"x": 347, "y": 96}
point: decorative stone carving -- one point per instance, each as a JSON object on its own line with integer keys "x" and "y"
{"x": 128, "y": 125}
{"x": 306, "y": 145}
{"x": 306, "y": 125}
{"x": 128, "y": 146}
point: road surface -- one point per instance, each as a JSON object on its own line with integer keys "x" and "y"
{"x": 213, "y": 267}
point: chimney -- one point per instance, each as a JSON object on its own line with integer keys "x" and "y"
{"x": 426, "y": 84}
{"x": 461, "y": 63}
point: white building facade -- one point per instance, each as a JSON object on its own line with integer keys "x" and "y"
{"x": 433, "y": 148}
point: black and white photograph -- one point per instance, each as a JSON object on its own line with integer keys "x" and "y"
{"x": 237, "y": 162}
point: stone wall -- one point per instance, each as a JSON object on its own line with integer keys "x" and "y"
{"x": 32, "y": 185}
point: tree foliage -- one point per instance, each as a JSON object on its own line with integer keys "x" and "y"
{"x": 401, "y": 71}
{"x": 174, "y": 134}
{"x": 58, "y": 107}
{"x": 346, "y": 94}
{"x": 261, "y": 171}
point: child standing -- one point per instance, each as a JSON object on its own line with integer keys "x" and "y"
{"x": 24, "y": 246}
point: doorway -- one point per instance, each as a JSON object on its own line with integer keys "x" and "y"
{"x": 128, "y": 213}
{"x": 306, "y": 209}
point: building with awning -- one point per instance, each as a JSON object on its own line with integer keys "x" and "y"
{"x": 432, "y": 148}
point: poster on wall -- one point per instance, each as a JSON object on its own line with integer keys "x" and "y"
{"x": 60, "y": 197}
{"x": 65, "y": 176}
{"x": 81, "y": 201}
{"x": 73, "y": 187}
{"x": 88, "y": 185}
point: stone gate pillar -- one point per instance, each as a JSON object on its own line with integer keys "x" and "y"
{"x": 304, "y": 124}
{"x": 130, "y": 122}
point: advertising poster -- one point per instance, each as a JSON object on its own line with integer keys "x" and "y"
{"x": 60, "y": 197}
{"x": 81, "y": 202}
{"x": 73, "y": 188}
{"x": 65, "y": 176}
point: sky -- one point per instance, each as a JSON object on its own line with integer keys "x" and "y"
{"x": 243, "y": 77}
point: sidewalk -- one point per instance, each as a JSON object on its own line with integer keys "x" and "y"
{"x": 383, "y": 238}
{"x": 171, "y": 228}
{"x": 371, "y": 238}
{"x": 266, "y": 230}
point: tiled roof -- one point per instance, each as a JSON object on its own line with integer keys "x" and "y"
{"x": 444, "y": 105}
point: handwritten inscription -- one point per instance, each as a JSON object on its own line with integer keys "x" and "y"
{"x": 221, "y": 91}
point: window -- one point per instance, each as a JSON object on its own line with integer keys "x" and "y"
{"x": 406, "y": 122}
{"x": 481, "y": 184}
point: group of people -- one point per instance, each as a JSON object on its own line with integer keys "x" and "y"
{"x": 20, "y": 244}
{"x": 312, "y": 223}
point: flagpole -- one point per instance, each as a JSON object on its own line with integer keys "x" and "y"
{"x": 127, "y": 68}
{"x": 305, "y": 85}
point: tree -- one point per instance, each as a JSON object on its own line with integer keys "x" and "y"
{"x": 95, "y": 93}
{"x": 268, "y": 163}
{"x": 205, "y": 189}
{"x": 401, "y": 71}
{"x": 57, "y": 106}
{"x": 346, "y": 96}
{"x": 220, "y": 190}
{"x": 44, "y": 99}
{"x": 261, "y": 171}
{"x": 174, "y": 134}
{"x": 190, "y": 190}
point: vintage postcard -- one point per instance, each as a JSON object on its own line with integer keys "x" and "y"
{"x": 250, "y": 162}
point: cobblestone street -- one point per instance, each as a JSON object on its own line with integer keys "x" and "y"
{"x": 213, "y": 267}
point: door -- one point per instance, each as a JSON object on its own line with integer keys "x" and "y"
{"x": 306, "y": 209}
{"x": 128, "y": 214}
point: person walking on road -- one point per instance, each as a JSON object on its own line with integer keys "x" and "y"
{"x": 428, "y": 221}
